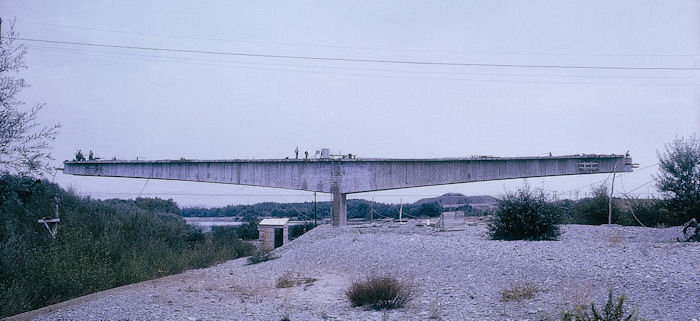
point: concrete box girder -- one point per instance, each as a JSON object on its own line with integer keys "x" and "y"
{"x": 344, "y": 176}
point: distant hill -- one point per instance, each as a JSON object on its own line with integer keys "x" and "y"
{"x": 457, "y": 200}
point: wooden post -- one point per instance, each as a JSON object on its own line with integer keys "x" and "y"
{"x": 315, "y": 209}
{"x": 612, "y": 188}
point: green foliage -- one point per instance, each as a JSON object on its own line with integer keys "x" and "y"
{"x": 426, "y": 210}
{"x": 305, "y": 211}
{"x": 157, "y": 205}
{"x": 381, "y": 292}
{"x": 679, "y": 178}
{"x": 524, "y": 215}
{"x": 260, "y": 256}
{"x": 470, "y": 211}
{"x": 298, "y": 230}
{"x": 100, "y": 244}
{"x": 249, "y": 231}
{"x": 614, "y": 310}
{"x": 651, "y": 212}
{"x": 594, "y": 210}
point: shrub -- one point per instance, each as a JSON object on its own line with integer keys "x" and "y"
{"x": 381, "y": 292}
{"x": 614, "y": 310}
{"x": 249, "y": 231}
{"x": 299, "y": 230}
{"x": 651, "y": 212}
{"x": 260, "y": 256}
{"x": 520, "y": 291}
{"x": 524, "y": 215}
{"x": 594, "y": 210}
{"x": 290, "y": 279}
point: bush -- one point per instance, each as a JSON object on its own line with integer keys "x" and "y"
{"x": 290, "y": 279}
{"x": 524, "y": 215}
{"x": 614, "y": 310}
{"x": 260, "y": 256}
{"x": 520, "y": 291}
{"x": 299, "y": 230}
{"x": 381, "y": 292}
{"x": 249, "y": 231}
{"x": 651, "y": 212}
{"x": 594, "y": 210}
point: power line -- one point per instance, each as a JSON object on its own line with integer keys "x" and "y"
{"x": 313, "y": 69}
{"x": 510, "y": 53}
{"x": 640, "y": 186}
{"x": 251, "y": 195}
{"x": 621, "y": 174}
{"x": 217, "y": 62}
{"x": 343, "y": 59}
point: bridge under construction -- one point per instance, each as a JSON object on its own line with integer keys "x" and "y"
{"x": 341, "y": 176}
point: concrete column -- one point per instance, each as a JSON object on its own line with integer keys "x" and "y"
{"x": 340, "y": 209}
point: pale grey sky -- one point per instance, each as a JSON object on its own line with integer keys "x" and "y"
{"x": 162, "y": 105}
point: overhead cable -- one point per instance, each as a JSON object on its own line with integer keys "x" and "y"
{"x": 344, "y": 59}
{"x": 300, "y": 44}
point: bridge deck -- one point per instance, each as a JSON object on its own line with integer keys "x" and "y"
{"x": 352, "y": 175}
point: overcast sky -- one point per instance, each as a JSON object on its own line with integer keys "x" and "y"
{"x": 149, "y": 104}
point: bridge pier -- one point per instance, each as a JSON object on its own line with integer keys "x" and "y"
{"x": 340, "y": 209}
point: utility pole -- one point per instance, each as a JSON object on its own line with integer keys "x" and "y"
{"x": 612, "y": 188}
{"x": 0, "y": 31}
{"x": 315, "y": 209}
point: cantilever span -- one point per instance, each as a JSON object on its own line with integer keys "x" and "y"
{"x": 345, "y": 176}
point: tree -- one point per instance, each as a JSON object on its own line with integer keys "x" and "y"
{"x": 679, "y": 178}
{"x": 427, "y": 210}
{"x": 23, "y": 142}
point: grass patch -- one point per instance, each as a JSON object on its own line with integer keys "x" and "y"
{"x": 381, "y": 292}
{"x": 260, "y": 256}
{"x": 615, "y": 238}
{"x": 519, "y": 291}
{"x": 290, "y": 279}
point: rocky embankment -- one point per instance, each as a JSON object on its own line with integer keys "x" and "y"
{"x": 459, "y": 275}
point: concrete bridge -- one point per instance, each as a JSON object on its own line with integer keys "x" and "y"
{"x": 342, "y": 176}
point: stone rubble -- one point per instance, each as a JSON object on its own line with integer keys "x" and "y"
{"x": 459, "y": 276}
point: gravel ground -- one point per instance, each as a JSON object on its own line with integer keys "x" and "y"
{"x": 459, "y": 276}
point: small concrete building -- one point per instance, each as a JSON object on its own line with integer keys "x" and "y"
{"x": 273, "y": 232}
